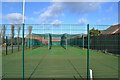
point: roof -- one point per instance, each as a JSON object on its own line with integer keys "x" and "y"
{"x": 53, "y": 35}
{"x": 112, "y": 30}
{"x": 44, "y": 37}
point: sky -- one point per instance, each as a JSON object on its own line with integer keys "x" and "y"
{"x": 94, "y": 13}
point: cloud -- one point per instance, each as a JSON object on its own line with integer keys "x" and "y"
{"x": 84, "y": 0}
{"x": 61, "y": 0}
{"x": 12, "y": 0}
{"x": 81, "y": 7}
{"x": 36, "y": 12}
{"x": 52, "y": 11}
{"x": 115, "y": 23}
{"x": 58, "y": 8}
{"x": 56, "y": 22}
{"x": 13, "y": 18}
{"x": 82, "y": 21}
{"x": 110, "y": 9}
{"x": 103, "y": 20}
{"x": 16, "y": 18}
{"x": 0, "y": 16}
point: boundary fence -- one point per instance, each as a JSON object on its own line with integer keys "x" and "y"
{"x": 106, "y": 43}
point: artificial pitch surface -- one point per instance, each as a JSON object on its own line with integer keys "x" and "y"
{"x": 59, "y": 63}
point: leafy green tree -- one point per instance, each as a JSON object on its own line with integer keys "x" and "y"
{"x": 94, "y": 32}
{"x": 18, "y": 30}
{"x": 29, "y": 33}
{"x": 3, "y": 33}
{"x": 12, "y": 31}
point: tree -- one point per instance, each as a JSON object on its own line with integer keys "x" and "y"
{"x": 18, "y": 30}
{"x": 0, "y": 34}
{"x": 30, "y": 30}
{"x": 3, "y": 34}
{"x": 12, "y": 31}
{"x": 94, "y": 32}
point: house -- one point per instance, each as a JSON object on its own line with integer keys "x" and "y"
{"x": 112, "y": 30}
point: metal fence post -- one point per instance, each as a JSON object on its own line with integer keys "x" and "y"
{"x": 32, "y": 41}
{"x": 12, "y": 44}
{"x": 23, "y": 51}
{"x": 48, "y": 42}
{"x": 88, "y": 54}
{"x": 6, "y": 46}
{"x": 29, "y": 42}
{"x": 18, "y": 43}
{"x": 83, "y": 41}
{"x": 23, "y": 22}
{"x": 66, "y": 41}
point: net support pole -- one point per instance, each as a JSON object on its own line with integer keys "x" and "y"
{"x": 6, "y": 45}
{"x": 23, "y": 21}
{"x": 23, "y": 52}
{"x": 28, "y": 42}
{"x": 83, "y": 41}
{"x": 48, "y": 42}
{"x": 66, "y": 41}
{"x": 18, "y": 43}
{"x": 88, "y": 53}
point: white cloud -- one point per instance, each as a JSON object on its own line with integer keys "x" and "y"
{"x": 52, "y": 11}
{"x": 82, "y": 21}
{"x": 103, "y": 20}
{"x": 36, "y": 12}
{"x": 13, "y": 18}
{"x": 0, "y": 16}
{"x": 84, "y": 0}
{"x": 57, "y": 9}
{"x": 61, "y": 0}
{"x": 56, "y": 22}
{"x": 110, "y": 9}
{"x": 29, "y": 19}
{"x": 115, "y": 23}
{"x": 16, "y": 18}
{"x": 12, "y": 0}
{"x": 81, "y": 7}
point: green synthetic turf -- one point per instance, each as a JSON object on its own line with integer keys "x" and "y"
{"x": 60, "y": 63}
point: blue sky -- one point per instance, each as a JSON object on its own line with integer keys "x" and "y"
{"x": 67, "y": 13}
{"x": 102, "y": 13}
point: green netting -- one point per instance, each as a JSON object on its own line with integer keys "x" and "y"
{"x": 75, "y": 42}
{"x": 50, "y": 41}
{"x": 64, "y": 41}
{"x": 55, "y": 35}
{"x": 55, "y": 43}
{"x": 33, "y": 43}
{"x": 50, "y": 38}
{"x": 41, "y": 43}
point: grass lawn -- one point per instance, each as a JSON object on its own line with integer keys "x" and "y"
{"x": 60, "y": 63}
